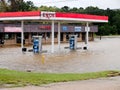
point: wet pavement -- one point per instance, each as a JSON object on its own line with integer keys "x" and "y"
{"x": 102, "y": 55}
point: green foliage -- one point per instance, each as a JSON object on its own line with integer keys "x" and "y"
{"x": 116, "y": 20}
{"x": 65, "y": 9}
{"x": 113, "y": 27}
{"x": 27, "y": 6}
{"x": 107, "y": 29}
{"x": 45, "y": 8}
{"x": 16, "y": 5}
{"x": 3, "y": 6}
{"x": 17, "y": 78}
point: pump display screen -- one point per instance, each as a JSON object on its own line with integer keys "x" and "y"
{"x": 36, "y": 45}
{"x": 71, "y": 43}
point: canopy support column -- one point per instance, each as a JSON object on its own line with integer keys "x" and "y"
{"x": 22, "y": 34}
{"x": 52, "y": 37}
{"x": 87, "y": 35}
{"x": 59, "y": 36}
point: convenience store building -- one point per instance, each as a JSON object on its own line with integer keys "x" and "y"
{"x": 54, "y": 31}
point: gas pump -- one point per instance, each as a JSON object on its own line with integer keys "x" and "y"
{"x": 73, "y": 42}
{"x": 37, "y": 44}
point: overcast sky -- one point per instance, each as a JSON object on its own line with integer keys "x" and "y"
{"x": 102, "y": 4}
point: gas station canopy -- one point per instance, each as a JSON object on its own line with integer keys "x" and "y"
{"x": 56, "y": 16}
{"x": 53, "y": 17}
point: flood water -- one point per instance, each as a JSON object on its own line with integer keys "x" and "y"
{"x": 102, "y": 55}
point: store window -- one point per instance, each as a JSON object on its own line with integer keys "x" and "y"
{"x": 78, "y": 34}
{"x": 9, "y": 36}
{"x": 48, "y": 34}
{"x": 55, "y": 35}
{"x": 26, "y": 35}
{"x": 33, "y": 34}
{"x": 67, "y": 36}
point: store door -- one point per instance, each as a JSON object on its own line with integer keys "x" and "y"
{"x": 61, "y": 37}
{"x": 18, "y": 38}
{"x": 83, "y": 36}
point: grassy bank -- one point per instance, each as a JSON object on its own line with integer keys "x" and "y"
{"x": 10, "y": 78}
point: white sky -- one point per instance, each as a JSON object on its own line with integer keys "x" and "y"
{"x": 102, "y": 4}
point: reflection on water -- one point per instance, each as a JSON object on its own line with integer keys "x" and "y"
{"x": 102, "y": 55}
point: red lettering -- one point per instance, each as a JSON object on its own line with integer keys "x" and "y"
{"x": 48, "y": 15}
{"x": 44, "y": 27}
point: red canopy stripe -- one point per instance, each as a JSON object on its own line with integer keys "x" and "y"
{"x": 19, "y": 14}
{"x": 57, "y": 15}
{"x": 80, "y": 16}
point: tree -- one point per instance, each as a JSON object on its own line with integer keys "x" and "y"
{"x": 113, "y": 27}
{"x": 81, "y": 10}
{"x": 16, "y": 5}
{"x": 116, "y": 20}
{"x": 27, "y": 6}
{"x": 10, "y": 5}
{"x": 3, "y": 6}
{"x": 13, "y": 5}
{"x": 107, "y": 29}
{"x": 114, "y": 30}
{"x": 74, "y": 10}
{"x": 65, "y": 9}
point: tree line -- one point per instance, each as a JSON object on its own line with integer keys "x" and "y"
{"x": 110, "y": 28}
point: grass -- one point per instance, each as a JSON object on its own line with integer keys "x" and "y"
{"x": 10, "y": 78}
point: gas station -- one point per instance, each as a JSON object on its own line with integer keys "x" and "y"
{"x": 53, "y": 17}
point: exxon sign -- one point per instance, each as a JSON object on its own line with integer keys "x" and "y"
{"x": 47, "y": 15}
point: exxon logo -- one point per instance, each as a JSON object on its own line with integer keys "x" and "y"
{"x": 47, "y": 15}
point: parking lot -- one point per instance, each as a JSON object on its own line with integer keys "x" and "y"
{"x": 101, "y": 55}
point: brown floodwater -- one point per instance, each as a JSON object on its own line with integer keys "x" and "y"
{"x": 102, "y": 55}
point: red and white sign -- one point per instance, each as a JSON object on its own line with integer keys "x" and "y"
{"x": 44, "y": 15}
{"x": 48, "y": 15}
{"x": 12, "y": 29}
{"x": 45, "y": 27}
